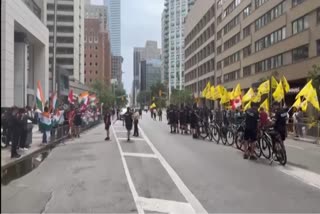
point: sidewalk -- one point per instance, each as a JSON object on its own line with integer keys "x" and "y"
{"x": 35, "y": 147}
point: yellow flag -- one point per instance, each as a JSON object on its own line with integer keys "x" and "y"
{"x": 312, "y": 97}
{"x": 247, "y": 106}
{"x": 274, "y": 82}
{"x": 248, "y": 96}
{"x": 304, "y": 106}
{"x": 237, "y": 91}
{"x": 208, "y": 93}
{"x": 225, "y": 96}
{"x": 265, "y": 105}
{"x": 212, "y": 89}
{"x": 264, "y": 87}
{"x": 305, "y": 90}
{"x": 153, "y": 105}
{"x": 207, "y": 88}
{"x": 256, "y": 98}
{"x": 297, "y": 103}
{"x": 285, "y": 84}
{"x": 278, "y": 93}
{"x": 218, "y": 92}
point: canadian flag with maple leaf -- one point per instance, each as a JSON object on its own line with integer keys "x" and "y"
{"x": 236, "y": 103}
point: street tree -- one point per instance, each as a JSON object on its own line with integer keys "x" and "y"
{"x": 179, "y": 97}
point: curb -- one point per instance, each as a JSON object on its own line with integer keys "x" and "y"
{"x": 41, "y": 149}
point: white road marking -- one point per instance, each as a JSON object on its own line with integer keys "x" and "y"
{"x": 121, "y": 131}
{"x": 124, "y": 138}
{"x": 303, "y": 175}
{"x": 164, "y": 206}
{"x": 142, "y": 155}
{"x": 191, "y": 199}
{"x": 130, "y": 182}
{"x": 297, "y": 147}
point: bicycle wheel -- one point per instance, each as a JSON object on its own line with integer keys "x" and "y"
{"x": 281, "y": 153}
{"x": 265, "y": 147}
{"x": 215, "y": 133}
{"x": 239, "y": 140}
{"x": 230, "y": 137}
{"x": 203, "y": 132}
{"x": 257, "y": 149}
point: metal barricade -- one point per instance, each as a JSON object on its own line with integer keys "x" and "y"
{"x": 305, "y": 131}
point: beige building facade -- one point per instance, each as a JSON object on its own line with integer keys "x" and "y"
{"x": 243, "y": 41}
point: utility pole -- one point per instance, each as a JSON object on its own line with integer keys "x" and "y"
{"x": 54, "y": 63}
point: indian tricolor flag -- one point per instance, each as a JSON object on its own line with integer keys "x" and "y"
{"x": 45, "y": 121}
{"x": 40, "y": 97}
{"x": 54, "y": 101}
{"x": 83, "y": 98}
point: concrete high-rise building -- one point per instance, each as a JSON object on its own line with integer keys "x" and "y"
{"x": 116, "y": 68}
{"x": 114, "y": 7}
{"x": 153, "y": 73}
{"x": 24, "y": 52}
{"x": 244, "y": 41}
{"x": 69, "y": 37}
{"x": 150, "y": 51}
{"x": 173, "y": 18}
{"x": 97, "y": 45}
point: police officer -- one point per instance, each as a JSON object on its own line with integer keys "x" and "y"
{"x": 16, "y": 132}
{"x": 182, "y": 119}
{"x": 194, "y": 121}
{"x": 280, "y": 120}
{"x": 128, "y": 121}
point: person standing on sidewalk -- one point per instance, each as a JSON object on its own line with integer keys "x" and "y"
{"x": 15, "y": 121}
{"x": 135, "y": 122}
{"x": 107, "y": 123}
{"x": 24, "y": 129}
{"x": 140, "y": 113}
{"x": 77, "y": 123}
{"x": 128, "y": 122}
{"x": 160, "y": 114}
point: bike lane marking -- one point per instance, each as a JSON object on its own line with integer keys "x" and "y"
{"x": 191, "y": 199}
{"x": 305, "y": 176}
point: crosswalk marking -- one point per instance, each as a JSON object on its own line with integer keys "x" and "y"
{"x": 143, "y": 155}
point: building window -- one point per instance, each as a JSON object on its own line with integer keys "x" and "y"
{"x": 300, "y": 53}
{"x": 247, "y": 51}
{"x": 96, "y": 64}
{"x": 233, "y": 23}
{"x": 85, "y": 71}
{"x": 296, "y": 2}
{"x": 246, "y": 11}
{"x": 247, "y": 71}
{"x": 270, "y": 39}
{"x": 219, "y": 34}
{"x": 269, "y": 16}
{"x": 231, "y": 59}
{"x": 96, "y": 47}
{"x": 318, "y": 47}
{"x": 219, "y": 49}
{"x": 232, "y": 41}
{"x": 90, "y": 55}
{"x": 96, "y": 72}
{"x": 219, "y": 4}
{"x": 246, "y": 31}
{"x": 299, "y": 25}
{"x": 90, "y": 80}
{"x": 219, "y": 20}
{"x": 318, "y": 16}
{"x": 219, "y": 65}
{"x": 268, "y": 64}
{"x": 258, "y": 3}
{"x": 231, "y": 76}
{"x": 90, "y": 63}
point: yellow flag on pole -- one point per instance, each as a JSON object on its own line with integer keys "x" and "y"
{"x": 256, "y": 98}
{"x": 312, "y": 97}
{"x": 237, "y": 91}
{"x": 265, "y": 105}
{"x": 264, "y": 87}
{"x": 247, "y": 106}
{"x": 248, "y": 96}
{"x": 274, "y": 82}
{"x": 278, "y": 94}
{"x": 218, "y": 92}
{"x": 212, "y": 89}
{"x": 297, "y": 103}
{"x": 285, "y": 84}
{"x": 207, "y": 88}
{"x": 304, "y": 106}
{"x": 305, "y": 90}
{"x": 225, "y": 97}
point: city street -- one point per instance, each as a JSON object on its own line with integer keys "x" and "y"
{"x": 164, "y": 173}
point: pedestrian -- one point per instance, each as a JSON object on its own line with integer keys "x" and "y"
{"x": 160, "y": 114}
{"x": 24, "y": 129}
{"x": 118, "y": 110}
{"x": 154, "y": 114}
{"x": 71, "y": 115}
{"x": 182, "y": 119}
{"x": 128, "y": 122}
{"x": 250, "y": 132}
{"x": 77, "y": 122}
{"x": 151, "y": 112}
{"x": 298, "y": 117}
{"x": 107, "y": 123}
{"x": 135, "y": 123}
{"x": 45, "y": 125}
{"x": 140, "y": 113}
{"x": 263, "y": 118}
{"x": 194, "y": 121}
{"x": 15, "y": 120}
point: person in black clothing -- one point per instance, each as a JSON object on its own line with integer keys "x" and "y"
{"x": 160, "y": 114}
{"x": 77, "y": 123}
{"x": 135, "y": 123}
{"x": 6, "y": 123}
{"x": 16, "y": 132}
{"x": 175, "y": 119}
{"x": 118, "y": 110}
{"x": 24, "y": 129}
{"x": 170, "y": 115}
{"x": 140, "y": 113}
{"x": 188, "y": 112}
{"x": 128, "y": 121}
{"x": 107, "y": 123}
{"x": 182, "y": 119}
{"x": 251, "y": 131}
{"x": 194, "y": 121}
{"x": 280, "y": 118}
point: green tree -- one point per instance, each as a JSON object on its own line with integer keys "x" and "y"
{"x": 103, "y": 93}
{"x": 158, "y": 99}
{"x": 144, "y": 98}
{"x": 121, "y": 97}
{"x": 181, "y": 97}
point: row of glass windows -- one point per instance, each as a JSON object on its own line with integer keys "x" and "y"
{"x": 299, "y": 25}
{"x": 232, "y": 41}
{"x": 234, "y": 22}
{"x": 231, "y": 76}
{"x": 269, "y": 16}
{"x": 258, "y": 3}
{"x": 268, "y": 64}
{"x": 270, "y": 39}
{"x": 231, "y": 59}
{"x": 204, "y": 53}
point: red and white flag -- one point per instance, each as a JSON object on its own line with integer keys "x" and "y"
{"x": 236, "y": 103}
{"x": 70, "y": 97}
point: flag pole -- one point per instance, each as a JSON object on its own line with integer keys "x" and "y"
{"x": 270, "y": 94}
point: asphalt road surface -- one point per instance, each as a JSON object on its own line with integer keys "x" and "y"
{"x": 163, "y": 173}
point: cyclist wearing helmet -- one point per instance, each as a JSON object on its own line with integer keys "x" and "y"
{"x": 280, "y": 120}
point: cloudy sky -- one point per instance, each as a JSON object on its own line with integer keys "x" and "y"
{"x": 140, "y": 21}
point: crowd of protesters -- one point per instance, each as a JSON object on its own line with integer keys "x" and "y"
{"x": 17, "y": 124}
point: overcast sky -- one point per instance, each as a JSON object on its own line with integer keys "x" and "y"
{"x": 140, "y": 21}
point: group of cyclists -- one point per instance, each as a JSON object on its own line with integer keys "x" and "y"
{"x": 253, "y": 131}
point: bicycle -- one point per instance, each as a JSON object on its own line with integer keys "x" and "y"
{"x": 278, "y": 149}
{"x": 204, "y": 130}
